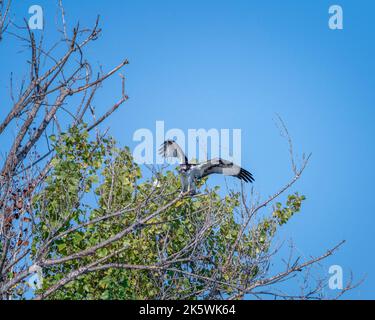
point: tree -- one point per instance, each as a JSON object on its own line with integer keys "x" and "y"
{"x": 57, "y": 94}
{"x": 77, "y": 209}
{"x": 174, "y": 246}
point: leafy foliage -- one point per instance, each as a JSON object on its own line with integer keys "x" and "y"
{"x": 196, "y": 239}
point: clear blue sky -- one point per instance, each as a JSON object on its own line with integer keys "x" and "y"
{"x": 237, "y": 63}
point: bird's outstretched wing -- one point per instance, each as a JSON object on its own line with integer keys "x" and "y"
{"x": 171, "y": 149}
{"x": 226, "y": 168}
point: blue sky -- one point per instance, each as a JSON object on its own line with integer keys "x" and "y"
{"x": 237, "y": 64}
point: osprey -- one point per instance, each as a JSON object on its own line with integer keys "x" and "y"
{"x": 192, "y": 172}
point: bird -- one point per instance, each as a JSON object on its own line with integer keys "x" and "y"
{"x": 192, "y": 172}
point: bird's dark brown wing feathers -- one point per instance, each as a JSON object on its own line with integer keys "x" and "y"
{"x": 226, "y": 167}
